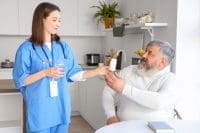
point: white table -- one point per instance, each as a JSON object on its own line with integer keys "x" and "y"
{"x": 140, "y": 126}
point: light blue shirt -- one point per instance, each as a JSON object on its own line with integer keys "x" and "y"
{"x": 44, "y": 111}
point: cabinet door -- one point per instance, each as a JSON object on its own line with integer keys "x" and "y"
{"x": 73, "y": 87}
{"x": 86, "y": 23}
{"x": 82, "y": 98}
{"x": 94, "y": 112}
{"x": 26, "y": 9}
{"x": 9, "y": 17}
{"x": 68, "y": 15}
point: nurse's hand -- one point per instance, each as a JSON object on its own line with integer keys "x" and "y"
{"x": 96, "y": 72}
{"x": 54, "y": 72}
{"x": 103, "y": 70}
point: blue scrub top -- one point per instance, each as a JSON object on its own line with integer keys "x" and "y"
{"x": 44, "y": 111}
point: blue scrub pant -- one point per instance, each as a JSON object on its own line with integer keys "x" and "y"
{"x": 62, "y": 128}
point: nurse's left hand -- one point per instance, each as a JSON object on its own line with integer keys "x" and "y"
{"x": 55, "y": 72}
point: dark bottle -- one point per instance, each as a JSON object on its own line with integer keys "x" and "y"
{"x": 119, "y": 61}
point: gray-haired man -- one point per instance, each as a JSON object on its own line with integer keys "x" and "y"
{"x": 147, "y": 91}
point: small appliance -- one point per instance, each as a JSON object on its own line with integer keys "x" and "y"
{"x": 7, "y": 64}
{"x": 93, "y": 59}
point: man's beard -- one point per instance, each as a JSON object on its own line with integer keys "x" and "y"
{"x": 145, "y": 66}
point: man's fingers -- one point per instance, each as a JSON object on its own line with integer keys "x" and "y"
{"x": 111, "y": 75}
{"x": 108, "y": 77}
{"x": 116, "y": 75}
{"x": 108, "y": 81}
{"x": 109, "y": 84}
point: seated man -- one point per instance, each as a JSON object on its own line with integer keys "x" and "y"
{"x": 146, "y": 91}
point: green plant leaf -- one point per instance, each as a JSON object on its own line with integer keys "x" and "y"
{"x": 105, "y": 9}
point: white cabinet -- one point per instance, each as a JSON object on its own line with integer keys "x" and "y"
{"x": 11, "y": 113}
{"x": 26, "y": 9}
{"x": 9, "y": 17}
{"x": 86, "y": 23}
{"x": 73, "y": 87}
{"x": 83, "y": 98}
{"x": 76, "y": 17}
{"x": 91, "y": 102}
{"x": 5, "y": 73}
{"x": 68, "y": 16}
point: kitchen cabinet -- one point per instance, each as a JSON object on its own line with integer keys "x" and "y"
{"x": 83, "y": 98}
{"x": 76, "y": 17}
{"x": 9, "y": 17}
{"x": 11, "y": 112}
{"x": 91, "y": 109}
{"x": 68, "y": 16}
{"x": 10, "y": 127}
{"x": 26, "y": 9}
{"x": 73, "y": 87}
{"x": 5, "y": 73}
{"x": 86, "y": 23}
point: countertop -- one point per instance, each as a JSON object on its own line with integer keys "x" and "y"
{"x": 7, "y": 86}
{"x": 85, "y": 66}
{"x": 6, "y": 73}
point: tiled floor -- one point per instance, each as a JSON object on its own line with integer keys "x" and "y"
{"x": 79, "y": 125}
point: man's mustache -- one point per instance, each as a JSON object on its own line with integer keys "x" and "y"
{"x": 143, "y": 60}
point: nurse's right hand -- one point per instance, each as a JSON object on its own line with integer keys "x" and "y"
{"x": 54, "y": 72}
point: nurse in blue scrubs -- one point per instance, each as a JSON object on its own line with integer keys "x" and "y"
{"x": 44, "y": 65}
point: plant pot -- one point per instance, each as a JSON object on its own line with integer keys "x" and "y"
{"x": 109, "y": 22}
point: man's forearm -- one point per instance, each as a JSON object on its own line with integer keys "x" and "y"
{"x": 150, "y": 99}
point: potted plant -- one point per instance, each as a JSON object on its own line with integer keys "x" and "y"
{"x": 106, "y": 13}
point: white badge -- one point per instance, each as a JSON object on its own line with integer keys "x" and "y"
{"x": 53, "y": 88}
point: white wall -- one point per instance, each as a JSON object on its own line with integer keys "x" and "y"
{"x": 129, "y": 43}
{"x": 163, "y": 11}
{"x": 188, "y": 62}
{"x": 183, "y": 34}
{"x": 80, "y": 46}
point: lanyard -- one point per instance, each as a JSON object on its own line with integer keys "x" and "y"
{"x": 46, "y": 53}
{"x": 49, "y": 60}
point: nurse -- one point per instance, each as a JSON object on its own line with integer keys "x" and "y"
{"x": 44, "y": 65}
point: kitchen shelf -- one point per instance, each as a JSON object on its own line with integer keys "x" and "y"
{"x": 141, "y": 28}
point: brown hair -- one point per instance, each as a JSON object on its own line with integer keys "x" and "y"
{"x": 42, "y": 11}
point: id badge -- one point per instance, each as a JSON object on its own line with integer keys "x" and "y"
{"x": 53, "y": 88}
